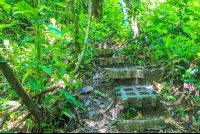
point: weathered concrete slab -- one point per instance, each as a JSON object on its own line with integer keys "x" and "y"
{"x": 139, "y": 96}
{"x": 110, "y": 62}
{"x": 125, "y": 73}
{"x": 140, "y": 125}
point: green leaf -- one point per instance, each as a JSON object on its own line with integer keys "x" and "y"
{"x": 72, "y": 99}
{"x": 181, "y": 112}
{"x": 171, "y": 97}
{"x": 67, "y": 112}
{"x": 189, "y": 80}
{"x": 194, "y": 71}
{"x": 113, "y": 122}
{"x": 60, "y": 4}
{"x": 67, "y": 83}
{"x": 87, "y": 62}
{"x": 29, "y": 11}
{"x": 47, "y": 70}
{"x": 7, "y": 132}
{"x": 196, "y": 85}
{"x": 133, "y": 109}
{"x": 44, "y": 125}
{"x": 197, "y": 98}
{"x": 45, "y": 51}
{"x": 55, "y": 30}
{"x": 2, "y": 84}
{"x": 27, "y": 39}
{"x": 186, "y": 30}
{"x": 76, "y": 86}
{"x": 163, "y": 92}
{"x": 198, "y": 120}
{"x": 29, "y": 71}
{"x": 128, "y": 114}
{"x": 30, "y": 123}
{"x": 164, "y": 31}
{"x": 89, "y": 72}
{"x": 33, "y": 83}
{"x": 140, "y": 62}
{"x": 193, "y": 36}
{"x": 48, "y": 98}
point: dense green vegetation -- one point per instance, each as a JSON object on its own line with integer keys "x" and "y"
{"x": 42, "y": 42}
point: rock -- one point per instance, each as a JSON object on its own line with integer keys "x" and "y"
{"x": 87, "y": 89}
{"x": 87, "y": 102}
{"x": 91, "y": 113}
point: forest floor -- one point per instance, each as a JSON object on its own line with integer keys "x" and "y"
{"x": 104, "y": 111}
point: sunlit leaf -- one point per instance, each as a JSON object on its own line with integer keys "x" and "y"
{"x": 55, "y": 30}
{"x": 33, "y": 83}
{"x": 76, "y": 86}
{"x": 196, "y": 85}
{"x": 29, "y": 71}
{"x": 67, "y": 112}
{"x": 72, "y": 99}
{"x": 67, "y": 83}
{"x": 171, "y": 97}
{"x": 189, "y": 80}
{"x": 181, "y": 112}
{"x": 48, "y": 98}
{"x": 30, "y": 12}
{"x": 47, "y": 70}
{"x": 186, "y": 30}
{"x": 30, "y": 123}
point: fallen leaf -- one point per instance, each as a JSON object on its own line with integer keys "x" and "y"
{"x": 158, "y": 86}
{"x": 78, "y": 130}
{"x": 140, "y": 114}
{"x": 173, "y": 123}
{"x": 182, "y": 119}
{"x": 103, "y": 130}
{"x": 90, "y": 123}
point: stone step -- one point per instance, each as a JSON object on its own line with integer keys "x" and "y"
{"x": 137, "y": 96}
{"x": 116, "y": 73}
{"x": 141, "y": 125}
{"x": 104, "y": 52}
{"x": 105, "y": 44}
{"x": 110, "y": 62}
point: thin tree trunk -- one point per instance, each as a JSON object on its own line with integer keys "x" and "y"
{"x": 75, "y": 21}
{"x": 97, "y": 9}
{"x": 17, "y": 87}
{"x": 86, "y": 39}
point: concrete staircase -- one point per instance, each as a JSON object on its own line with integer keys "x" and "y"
{"x": 134, "y": 94}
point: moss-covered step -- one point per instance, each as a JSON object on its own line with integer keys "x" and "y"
{"x": 116, "y": 73}
{"x": 112, "y": 61}
{"x": 141, "y": 125}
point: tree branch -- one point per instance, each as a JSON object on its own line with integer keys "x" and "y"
{"x": 86, "y": 39}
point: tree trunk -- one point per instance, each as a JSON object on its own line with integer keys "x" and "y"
{"x": 86, "y": 39}
{"x": 75, "y": 21}
{"x": 97, "y": 9}
{"x": 17, "y": 87}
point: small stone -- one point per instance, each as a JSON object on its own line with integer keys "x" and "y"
{"x": 86, "y": 89}
{"x": 87, "y": 103}
{"x": 182, "y": 119}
